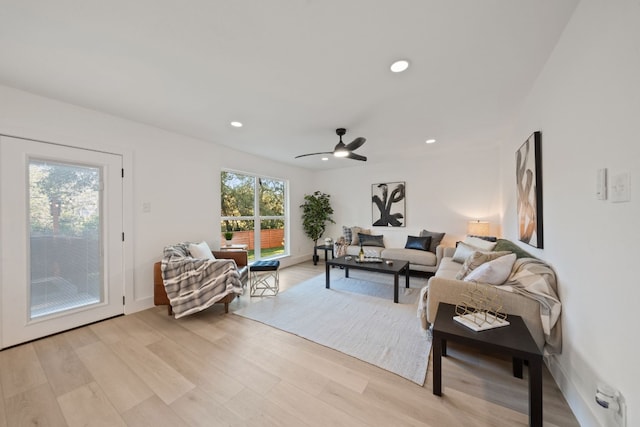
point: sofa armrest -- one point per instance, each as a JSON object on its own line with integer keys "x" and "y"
{"x": 240, "y": 257}
{"x": 447, "y": 251}
{"x": 451, "y": 291}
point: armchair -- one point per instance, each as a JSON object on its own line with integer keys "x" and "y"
{"x": 160, "y": 296}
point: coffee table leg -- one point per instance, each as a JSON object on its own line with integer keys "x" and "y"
{"x": 395, "y": 287}
{"x": 437, "y": 365}
{"x": 535, "y": 393}
{"x": 327, "y": 270}
{"x": 406, "y": 273}
{"x": 346, "y": 272}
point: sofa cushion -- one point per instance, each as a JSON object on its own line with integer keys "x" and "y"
{"x": 507, "y": 245}
{"x": 479, "y": 243}
{"x": 354, "y": 234}
{"x": 369, "y": 251}
{"x": 436, "y": 238}
{"x": 414, "y": 256}
{"x": 476, "y": 260}
{"x": 494, "y": 272}
{"x": 448, "y": 268}
{"x": 371, "y": 240}
{"x": 420, "y": 243}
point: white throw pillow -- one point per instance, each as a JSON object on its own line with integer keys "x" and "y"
{"x": 494, "y": 272}
{"x": 485, "y": 245}
{"x": 200, "y": 250}
{"x": 463, "y": 251}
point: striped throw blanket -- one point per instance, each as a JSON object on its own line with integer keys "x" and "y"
{"x": 194, "y": 284}
{"x": 536, "y": 280}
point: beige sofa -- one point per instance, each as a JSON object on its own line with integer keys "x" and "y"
{"x": 444, "y": 287}
{"x": 419, "y": 260}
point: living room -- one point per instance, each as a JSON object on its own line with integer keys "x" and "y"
{"x": 585, "y": 101}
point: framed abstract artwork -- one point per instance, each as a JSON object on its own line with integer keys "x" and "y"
{"x": 388, "y": 204}
{"x": 529, "y": 191}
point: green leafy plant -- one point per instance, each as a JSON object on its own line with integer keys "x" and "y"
{"x": 228, "y": 235}
{"x": 316, "y": 213}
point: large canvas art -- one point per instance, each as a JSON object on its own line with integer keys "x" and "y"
{"x": 529, "y": 191}
{"x": 388, "y": 209}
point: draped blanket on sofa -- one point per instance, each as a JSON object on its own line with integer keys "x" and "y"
{"x": 536, "y": 280}
{"x": 194, "y": 284}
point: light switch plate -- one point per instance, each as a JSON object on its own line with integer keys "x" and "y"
{"x": 620, "y": 191}
{"x": 601, "y": 184}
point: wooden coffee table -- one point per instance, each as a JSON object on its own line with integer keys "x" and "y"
{"x": 514, "y": 340}
{"x": 397, "y": 268}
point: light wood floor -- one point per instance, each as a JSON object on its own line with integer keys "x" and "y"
{"x": 209, "y": 369}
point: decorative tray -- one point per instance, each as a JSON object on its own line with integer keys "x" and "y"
{"x": 369, "y": 259}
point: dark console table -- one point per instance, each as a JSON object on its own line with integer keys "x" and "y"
{"x": 514, "y": 340}
{"x": 326, "y": 248}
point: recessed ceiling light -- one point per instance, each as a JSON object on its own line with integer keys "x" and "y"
{"x": 399, "y": 66}
{"x": 430, "y": 141}
{"x": 325, "y": 159}
{"x": 236, "y": 124}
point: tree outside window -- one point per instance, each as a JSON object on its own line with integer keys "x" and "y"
{"x": 254, "y": 209}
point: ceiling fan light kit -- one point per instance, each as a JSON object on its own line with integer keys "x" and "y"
{"x": 343, "y": 150}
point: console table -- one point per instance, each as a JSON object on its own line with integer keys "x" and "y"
{"x": 514, "y": 340}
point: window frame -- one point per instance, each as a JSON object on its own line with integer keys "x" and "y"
{"x": 256, "y": 217}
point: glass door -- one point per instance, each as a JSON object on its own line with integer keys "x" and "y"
{"x": 61, "y": 238}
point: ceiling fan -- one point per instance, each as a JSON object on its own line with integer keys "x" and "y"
{"x": 342, "y": 149}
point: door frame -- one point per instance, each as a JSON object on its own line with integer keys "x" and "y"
{"x": 131, "y": 304}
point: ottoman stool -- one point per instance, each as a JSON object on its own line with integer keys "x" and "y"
{"x": 259, "y": 274}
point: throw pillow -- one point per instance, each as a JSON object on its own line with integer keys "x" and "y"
{"x": 370, "y": 240}
{"x": 420, "y": 243}
{"x": 200, "y": 250}
{"x": 479, "y": 243}
{"x": 355, "y": 231}
{"x": 476, "y": 260}
{"x": 508, "y": 245}
{"x": 436, "y": 238}
{"x": 463, "y": 251}
{"x": 494, "y": 272}
{"x": 348, "y": 235}
{"x": 487, "y": 238}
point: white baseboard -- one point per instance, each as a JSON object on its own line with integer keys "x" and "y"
{"x": 580, "y": 407}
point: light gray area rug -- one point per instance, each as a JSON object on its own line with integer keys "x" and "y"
{"x": 357, "y": 316}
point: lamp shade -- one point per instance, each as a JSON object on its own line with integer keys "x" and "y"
{"x": 478, "y": 228}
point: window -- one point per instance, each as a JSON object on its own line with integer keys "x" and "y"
{"x": 254, "y": 213}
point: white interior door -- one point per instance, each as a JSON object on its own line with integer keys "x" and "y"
{"x": 61, "y": 230}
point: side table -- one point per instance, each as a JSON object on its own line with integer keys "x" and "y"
{"x": 514, "y": 340}
{"x": 326, "y": 249}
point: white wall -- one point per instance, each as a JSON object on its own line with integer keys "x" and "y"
{"x": 444, "y": 190}
{"x": 178, "y": 175}
{"x": 586, "y": 103}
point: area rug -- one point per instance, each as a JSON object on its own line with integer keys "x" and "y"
{"x": 357, "y": 316}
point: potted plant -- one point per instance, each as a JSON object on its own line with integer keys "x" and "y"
{"x": 316, "y": 213}
{"x": 228, "y": 235}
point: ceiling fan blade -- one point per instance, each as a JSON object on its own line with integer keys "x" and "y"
{"x": 355, "y": 156}
{"x": 356, "y": 143}
{"x": 313, "y": 154}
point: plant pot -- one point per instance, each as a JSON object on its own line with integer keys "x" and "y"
{"x": 316, "y": 258}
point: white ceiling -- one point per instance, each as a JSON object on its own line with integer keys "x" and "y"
{"x": 291, "y": 70}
